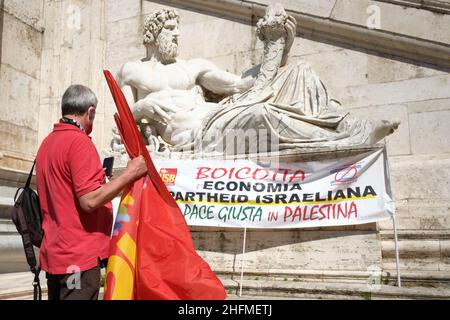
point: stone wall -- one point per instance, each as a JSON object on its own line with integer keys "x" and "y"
{"x": 21, "y": 47}
{"x": 21, "y": 36}
{"x": 46, "y": 45}
{"x": 73, "y": 52}
{"x": 398, "y": 71}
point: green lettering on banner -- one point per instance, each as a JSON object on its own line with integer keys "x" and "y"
{"x": 200, "y": 212}
{"x": 240, "y": 213}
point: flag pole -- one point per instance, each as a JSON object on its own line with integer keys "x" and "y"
{"x": 394, "y": 221}
{"x": 397, "y": 255}
{"x": 242, "y": 262}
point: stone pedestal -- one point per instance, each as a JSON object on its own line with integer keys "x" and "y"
{"x": 350, "y": 254}
{"x": 336, "y": 254}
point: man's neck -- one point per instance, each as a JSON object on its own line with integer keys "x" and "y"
{"x": 77, "y": 119}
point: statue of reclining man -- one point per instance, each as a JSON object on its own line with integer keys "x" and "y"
{"x": 289, "y": 102}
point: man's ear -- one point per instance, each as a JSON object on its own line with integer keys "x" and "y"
{"x": 91, "y": 113}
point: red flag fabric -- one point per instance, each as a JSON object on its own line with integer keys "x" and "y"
{"x": 152, "y": 255}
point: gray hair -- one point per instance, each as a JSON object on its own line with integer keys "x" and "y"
{"x": 154, "y": 23}
{"x": 77, "y": 99}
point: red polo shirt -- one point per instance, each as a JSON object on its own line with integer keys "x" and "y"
{"x": 67, "y": 167}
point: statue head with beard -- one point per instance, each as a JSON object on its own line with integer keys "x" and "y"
{"x": 161, "y": 29}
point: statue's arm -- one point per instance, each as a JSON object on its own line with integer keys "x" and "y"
{"x": 130, "y": 94}
{"x": 146, "y": 107}
{"x": 128, "y": 90}
{"x": 220, "y": 81}
{"x": 291, "y": 30}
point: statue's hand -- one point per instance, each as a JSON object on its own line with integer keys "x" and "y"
{"x": 291, "y": 30}
{"x": 239, "y": 85}
{"x": 244, "y": 84}
{"x": 149, "y": 108}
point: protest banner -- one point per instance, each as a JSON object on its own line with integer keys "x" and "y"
{"x": 242, "y": 193}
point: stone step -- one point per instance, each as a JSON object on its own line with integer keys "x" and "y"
{"x": 317, "y": 290}
{"x": 386, "y": 276}
{"x": 443, "y": 234}
{"x": 7, "y": 227}
{"x": 12, "y": 256}
{"x": 18, "y": 286}
{"x": 313, "y": 276}
{"x": 414, "y": 278}
{"x": 5, "y": 206}
{"x": 7, "y": 194}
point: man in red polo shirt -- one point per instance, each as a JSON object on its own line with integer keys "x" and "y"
{"x": 75, "y": 200}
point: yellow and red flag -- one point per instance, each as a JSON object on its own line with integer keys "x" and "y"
{"x": 152, "y": 255}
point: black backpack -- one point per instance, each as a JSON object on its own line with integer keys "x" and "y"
{"x": 26, "y": 215}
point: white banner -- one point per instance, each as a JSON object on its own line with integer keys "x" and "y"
{"x": 241, "y": 193}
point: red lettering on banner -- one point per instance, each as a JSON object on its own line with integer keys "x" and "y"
{"x": 272, "y": 216}
{"x": 337, "y": 211}
{"x": 286, "y": 171}
{"x": 213, "y": 173}
{"x": 353, "y": 209}
{"x": 297, "y": 213}
{"x": 201, "y": 172}
{"x": 287, "y": 213}
{"x": 248, "y": 172}
{"x": 314, "y": 210}
{"x": 299, "y": 174}
{"x": 260, "y": 178}
{"x": 323, "y": 210}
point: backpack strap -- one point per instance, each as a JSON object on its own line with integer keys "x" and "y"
{"x": 27, "y": 185}
{"x": 29, "y": 251}
{"x": 37, "y": 290}
{"x": 19, "y": 220}
{"x": 30, "y": 256}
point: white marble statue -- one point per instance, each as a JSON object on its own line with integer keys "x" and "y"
{"x": 287, "y": 101}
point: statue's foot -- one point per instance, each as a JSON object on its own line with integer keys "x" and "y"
{"x": 381, "y": 129}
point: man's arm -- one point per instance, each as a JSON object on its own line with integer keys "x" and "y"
{"x": 136, "y": 168}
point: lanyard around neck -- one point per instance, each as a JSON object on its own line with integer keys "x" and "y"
{"x": 72, "y": 122}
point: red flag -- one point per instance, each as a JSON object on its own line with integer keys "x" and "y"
{"x": 152, "y": 255}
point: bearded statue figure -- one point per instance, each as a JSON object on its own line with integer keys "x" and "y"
{"x": 289, "y": 103}
{"x": 165, "y": 43}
